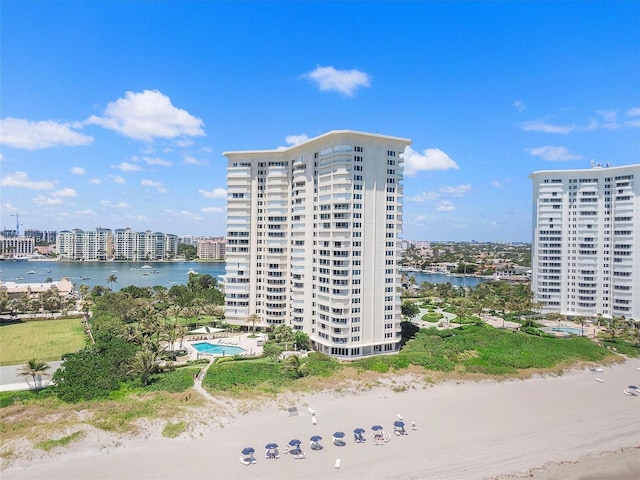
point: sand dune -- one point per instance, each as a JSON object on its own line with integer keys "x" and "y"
{"x": 475, "y": 430}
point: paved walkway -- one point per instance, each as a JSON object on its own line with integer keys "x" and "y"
{"x": 10, "y": 380}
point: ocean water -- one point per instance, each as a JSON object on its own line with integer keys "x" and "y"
{"x": 165, "y": 274}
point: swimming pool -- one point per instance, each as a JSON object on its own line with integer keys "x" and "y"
{"x": 213, "y": 349}
{"x": 572, "y": 331}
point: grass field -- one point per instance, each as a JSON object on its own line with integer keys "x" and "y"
{"x": 47, "y": 340}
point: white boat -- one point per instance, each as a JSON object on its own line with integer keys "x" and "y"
{"x": 31, "y": 272}
{"x": 146, "y": 266}
{"x": 192, "y": 272}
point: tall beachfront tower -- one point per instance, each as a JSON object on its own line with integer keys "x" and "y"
{"x": 586, "y": 241}
{"x": 313, "y": 240}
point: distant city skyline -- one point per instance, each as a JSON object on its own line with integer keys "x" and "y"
{"x": 118, "y": 113}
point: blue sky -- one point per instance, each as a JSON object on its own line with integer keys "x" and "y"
{"x": 116, "y": 114}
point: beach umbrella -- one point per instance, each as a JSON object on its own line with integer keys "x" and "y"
{"x": 270, "y": 446}
{"x": 398, "y": 423}
{"x": 295, "y": 442}
{"x": 248, "y": 451}
{"x": 338, "y": 435}
{"x": 375, "y": 428}
{"x": 359, "y": 430}
{"x": 316, "y": 438}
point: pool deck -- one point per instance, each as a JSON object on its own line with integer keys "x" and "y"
{"x": 244, "y": 341}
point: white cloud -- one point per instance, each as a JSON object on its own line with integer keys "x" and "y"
{"x": 157, "y": 161}
{"x": 633, "y": 112}
{"x": 148, "y": 115}
{"x": 20, "y": 133}
{"x": 127, "y": 167}
{"x": 296, "y": 139}
{"x": 110, "y": 204}
{"x": 542, "y": 126}
{"x": 457, "y": 191}
{"x": 496, "y": 184}
{"x": 159, "y": 186}
{"x": 608, "y": 119}
{"x": 431, "y": 159}
{"x": 445, "y": 206}
{"x": 212, "y": 210}
{"x": 42, "y": 200}
{"x": 86, "y": 213}
{"x": 21, "y": 180}
{"x": 554, "y": 154}
{"x": 95, "y": 181}
{"x": 215, "y": 193}
{"x": 190, "y": 160}
{"x": 150, "y": 183}
{"x": 183, "y": 142}
{"x": 78, "y": 170}
{"x": 65, "y": 193}
{"x": 424, "y": 197}
{"x": 117, "y": 179}
{"x": 519, "y": 105}
{"x": 344, "y": 81}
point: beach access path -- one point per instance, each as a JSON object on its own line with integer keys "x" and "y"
{"x": 468, "y": 430}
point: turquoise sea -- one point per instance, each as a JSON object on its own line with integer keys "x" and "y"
{"x": 141, "y": 274}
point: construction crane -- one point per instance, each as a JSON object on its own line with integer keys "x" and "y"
{"x": 17, "y": 215}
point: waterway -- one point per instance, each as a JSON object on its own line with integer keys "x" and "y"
{"x": 141, "y": 274}
{"x": 150, "y": 274}
{"x": 455, "y": 280}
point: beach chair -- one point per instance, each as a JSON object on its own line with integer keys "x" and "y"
{"x": 414, "y": 426}
{"x": 337, "y": 464}
{"x": 245, "y": 461}
{"x": 314, "y": 421}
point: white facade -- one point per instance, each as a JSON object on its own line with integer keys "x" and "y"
{"x": 12, "y": 247}
{"x": 143, "y": 246}
{"x": 313, "y": 240}
{"x": 80, "y": 245}
{"x": 586, "y": 241}
{"x": 120, "y": 244}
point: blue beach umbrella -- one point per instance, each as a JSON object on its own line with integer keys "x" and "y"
{"x": 248, "y": 451}
{"x": 270, "y": 446}
{"x": 398, "y": 423}
{"x": 375, "y": 428}
{"x": 294, "y": 442}
{"x": 338, "y": 435}
{"x": 316, "y": 438}
{"x": 359, "y": 430}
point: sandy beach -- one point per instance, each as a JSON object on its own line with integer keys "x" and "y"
{"x": 579, "y": 425}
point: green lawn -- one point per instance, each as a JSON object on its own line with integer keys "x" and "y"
{"x": 47, "y": 340}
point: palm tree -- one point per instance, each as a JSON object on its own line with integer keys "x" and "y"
{"x": 34, "y": 368}
{"x": 111, "y": 279}
{"x": 612, "y": 328}
{"x": 294, "y": 366}
{"x": 253, "y": 319}
{"x": 144, "y": 364}
{"x": 582, "y": 321}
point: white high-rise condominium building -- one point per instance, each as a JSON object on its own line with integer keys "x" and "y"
{"x": 586, "y": 241}
{"x": 313, "y": 240}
